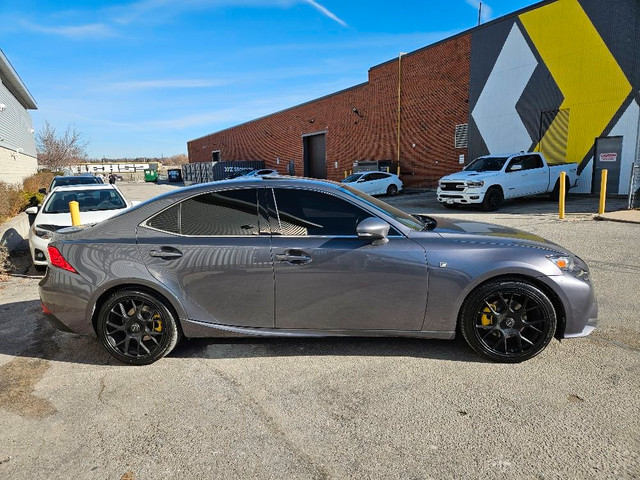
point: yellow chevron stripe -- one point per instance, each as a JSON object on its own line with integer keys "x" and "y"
{"x": 593, "y": 84}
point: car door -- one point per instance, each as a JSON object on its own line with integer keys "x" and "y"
{"x": 329, "y": 279}
{"x": 515, "y": 178}
{"x": 537, "y": 174}
{"x": 365, "y": 183}
{"x": 215, "y": 250}
{"x": 379, "y": 182}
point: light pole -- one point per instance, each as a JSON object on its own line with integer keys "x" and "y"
{"x": 399, "y": 103}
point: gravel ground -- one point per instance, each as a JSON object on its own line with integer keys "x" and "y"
{"x": 335, "y": 408}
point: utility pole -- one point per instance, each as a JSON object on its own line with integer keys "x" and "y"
{"x": 479, "y": 13}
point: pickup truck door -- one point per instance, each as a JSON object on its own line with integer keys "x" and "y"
{"x": 515, "y": 178}
{"x": 537, "y": 178}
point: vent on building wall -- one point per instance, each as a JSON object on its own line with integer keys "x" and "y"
{"x": 461, "y": 136}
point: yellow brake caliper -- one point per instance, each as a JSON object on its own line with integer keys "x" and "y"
{"x": 157, "y": 322}
{"x": 487, "y": 317}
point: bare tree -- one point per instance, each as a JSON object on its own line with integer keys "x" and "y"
{"x": 179, "y": 159}
{"x": 59, "y": 151}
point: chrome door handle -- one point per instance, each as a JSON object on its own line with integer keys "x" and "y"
{"x": 165, "y": 253}
{"x": 295, "y": 259}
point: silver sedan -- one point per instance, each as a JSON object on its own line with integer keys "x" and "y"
{"x": 284, "y": 256}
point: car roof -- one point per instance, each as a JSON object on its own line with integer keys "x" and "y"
{"x": 84, "y": 186}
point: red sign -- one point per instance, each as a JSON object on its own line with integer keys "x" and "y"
{"x": 608, "y": 157}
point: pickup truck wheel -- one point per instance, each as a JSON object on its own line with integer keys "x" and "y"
{"x": 492, "y": 199}
{"x": 555, "y": 193}
{"x": 507, "y": 320}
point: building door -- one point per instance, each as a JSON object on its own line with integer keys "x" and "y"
{"x": 315, "y": 156}
{"x": 608, "y": 153}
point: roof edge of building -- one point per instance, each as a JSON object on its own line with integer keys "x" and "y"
{"x": 281, "y": 111}
{"x": 14, "y": 83}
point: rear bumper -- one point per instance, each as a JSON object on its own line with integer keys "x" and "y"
{"x": 67, "y": 302}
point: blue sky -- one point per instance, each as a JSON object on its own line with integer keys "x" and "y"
{"x": 142, "y": 78}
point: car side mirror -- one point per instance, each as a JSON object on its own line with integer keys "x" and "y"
{"x": 32, "y": 210}
{"x": 515, "y": 168}
{"x": 42, "y": 190}
{"x": 360, "y": 180}
{"x": 373, "y": 229}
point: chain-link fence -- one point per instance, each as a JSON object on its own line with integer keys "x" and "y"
{"x": 634, "y": 187}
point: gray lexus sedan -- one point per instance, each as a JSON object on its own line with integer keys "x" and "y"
{"x": 285, "y": 256}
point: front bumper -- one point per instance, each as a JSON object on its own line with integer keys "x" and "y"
{"x": 38, "y": 244}
{"x": 459, "y": 197}
{"x": 579, "y": 302}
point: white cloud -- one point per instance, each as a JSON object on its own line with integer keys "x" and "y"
{"x": 487, "y": 11}
{"x": 90, "y": 30}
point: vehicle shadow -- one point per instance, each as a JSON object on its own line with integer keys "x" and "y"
{"x": 25, "y": 332}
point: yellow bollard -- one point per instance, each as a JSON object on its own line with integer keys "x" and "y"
{"x": 603, "y": 191}
{"x": 345, "y": 174}
{"x": 562, "y": 184}
{"x": 74, "y": 209}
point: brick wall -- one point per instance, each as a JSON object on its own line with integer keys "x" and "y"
{"x": 435, "y": 86}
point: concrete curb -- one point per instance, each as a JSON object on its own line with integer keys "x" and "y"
{"x": 622, "y": 216}
{"x": 15, "y": 231}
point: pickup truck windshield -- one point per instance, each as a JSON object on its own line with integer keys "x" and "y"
{"x": 486, "y": 164}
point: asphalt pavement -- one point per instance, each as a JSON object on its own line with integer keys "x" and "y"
{"x": 335, "y": 408}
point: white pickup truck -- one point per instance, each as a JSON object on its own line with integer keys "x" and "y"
{"x": 489, "y": 180}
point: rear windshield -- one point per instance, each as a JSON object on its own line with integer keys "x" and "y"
{"x": 62, "y": 181}
{"x": 89, "y": 200}
{"x": 486, "y": 164}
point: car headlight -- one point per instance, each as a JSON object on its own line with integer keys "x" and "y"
{"x": 475, "y": 184}
{"x": 42, "y": 233}
{"x": 571, "y": 265}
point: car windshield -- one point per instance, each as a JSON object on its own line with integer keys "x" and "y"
{"x": 414, "y": 223}
{"x": 352, "y": 178}
{"x": 63, "y": 181}
{"x": 486, "y": 164}
{"x": 89, "y": 200}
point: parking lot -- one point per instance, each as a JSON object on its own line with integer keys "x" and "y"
{"x": 336, "y": 408}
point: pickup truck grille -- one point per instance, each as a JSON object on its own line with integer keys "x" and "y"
{"x": 452, "y": 186}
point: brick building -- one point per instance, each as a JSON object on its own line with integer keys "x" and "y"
{"x": 561, "y": 77}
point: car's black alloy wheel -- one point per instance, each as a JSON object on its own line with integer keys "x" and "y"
{"x": 392, "y": 190}
{"x": 508, "y": 320}
{"x": 136, "y": 327}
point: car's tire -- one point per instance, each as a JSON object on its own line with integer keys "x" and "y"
{"x": 492, "y": 199}
{"x": 392, "y": 190}
{"x": 137, "y": 327}
{"x": 507, "y": 320}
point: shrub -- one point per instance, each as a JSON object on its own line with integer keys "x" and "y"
{"x": 14, "y": 199}
{"x": 5, "y": 263}
{"x": 11, "y": 201}
{"x": 37, "y": 181}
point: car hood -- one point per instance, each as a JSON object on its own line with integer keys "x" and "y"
{"x": 64, "y": 219}
{"x": 481, "y": 232}
{"x": 476, "y": 176}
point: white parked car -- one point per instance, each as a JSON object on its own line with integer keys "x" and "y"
{"x": 97, "y": 202}
{"x": 489, "y": 180}
{"x": 375, "y": 183}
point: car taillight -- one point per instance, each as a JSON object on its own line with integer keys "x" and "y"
{"x": 57, "y": 260}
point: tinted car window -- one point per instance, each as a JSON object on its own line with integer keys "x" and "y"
{"x": 377, "y": 176}
{"x": 516, "y": 161}
{"x": 232, "y": 212}
{"x": 352, "y": 178}
{"x": 167, "y": 221}
{"x": 305, "y": 212}
{"x": 532, "y": 162}
{"x": 63, "y": 181}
